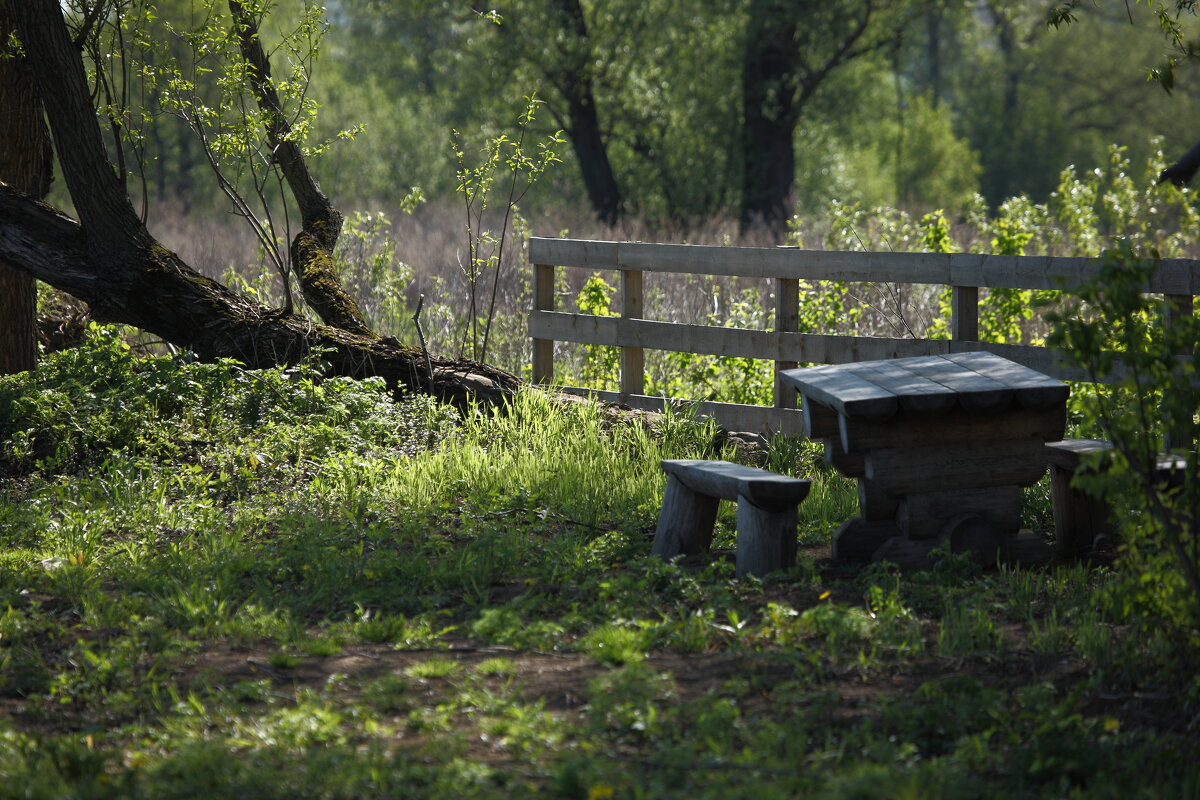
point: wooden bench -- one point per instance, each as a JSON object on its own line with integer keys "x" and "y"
{"x": 766, "y": 512}
{"x": 1083, "y": 521}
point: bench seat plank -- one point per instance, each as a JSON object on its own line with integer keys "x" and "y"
{"x": 731, "y": 481}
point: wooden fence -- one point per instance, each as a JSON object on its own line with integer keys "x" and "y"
{"x": 965, "y": 273}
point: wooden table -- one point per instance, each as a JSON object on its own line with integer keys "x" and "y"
{"x": 940, "y": 445}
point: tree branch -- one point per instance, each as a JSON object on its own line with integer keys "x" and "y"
{"x": 321, "y": 224}
{"x": 1183, "y": 170}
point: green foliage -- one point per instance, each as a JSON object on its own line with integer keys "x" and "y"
{"x": 615, "y": 644}
{"x": 365, "y": 260}
{"x": 600, "y": 364}
{"x": 506, "y": 627}
{"x": 85, "y": 405}
{"x": 1117, "y": 333}
{"x": 502, "y": 158}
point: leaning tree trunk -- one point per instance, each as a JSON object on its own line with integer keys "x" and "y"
{"x": 26, "y": 162}
{"x": 110, "y": 260}
{"x": 156, "y": 291}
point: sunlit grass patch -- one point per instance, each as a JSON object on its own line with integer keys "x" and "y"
{"x": 434, "y": 668}
{"x": 615, "y": 644}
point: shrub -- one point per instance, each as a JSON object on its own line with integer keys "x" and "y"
{"x": 1115, "y": 332}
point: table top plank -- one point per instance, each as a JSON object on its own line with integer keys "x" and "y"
{"x": 843, "y": 391}
{"x": 917, "y": 394}
{"x": 979, "y": 382}
{"x": 975, "y": 391}
{"x": 1033, "y": 389}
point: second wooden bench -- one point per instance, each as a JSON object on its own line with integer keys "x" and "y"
{"x": 766, "y": 512}
{"x": 1083, "y": 521}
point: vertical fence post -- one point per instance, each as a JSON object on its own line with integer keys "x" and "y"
{"x": 964, "y": 313}
{"x": 1177, "y": 308}
{"x": 543, "y": 300}
{"x": 787, "y": 319}
{"x": 633, "y": 359}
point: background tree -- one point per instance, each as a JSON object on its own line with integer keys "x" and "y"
{"x": 791, "y": 48}
{"x": 577, "y": 115}
{"x": 625, "y": 87}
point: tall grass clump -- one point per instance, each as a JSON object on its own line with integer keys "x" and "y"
{"x": 541, "y": 452}
{"x": 102, "y": 403}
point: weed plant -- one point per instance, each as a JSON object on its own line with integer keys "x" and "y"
{"x": 216, "y": 582}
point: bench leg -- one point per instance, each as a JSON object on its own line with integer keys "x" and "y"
{"x": 1079, "y": 518}
{"x": 766, "y": 540}
{"x": 685, "y": 524}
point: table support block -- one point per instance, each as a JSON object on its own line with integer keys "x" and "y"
{"x": 973, "y": 534}
{"x": 852, "y": 466}
{"x": 905, "y": 471}
{"x": 908, "y": 554}
{"x": 924, "y": 514}
{"x": 858, "y": 539}
{"x": 966, "y": 533}
{"x": 766, "y": 540}
{"x": 874, "y": 504}
{"x": 1026, "y": 549}
{"x": 685, "y": 524}
{"x": 820, "y": 422}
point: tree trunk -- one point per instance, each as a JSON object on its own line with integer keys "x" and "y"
{"x": 26, "y": 162}
{"x": 112, "y": 262}
{"x": 769, "y": 81}
{"x": 791, "y": 47}
{"x": 575, "y": 82}
{"x": 312, "y": 249}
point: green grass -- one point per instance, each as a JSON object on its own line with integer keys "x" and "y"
{"x": 215, "y": 583}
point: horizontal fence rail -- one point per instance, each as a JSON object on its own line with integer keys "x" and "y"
{"x": 965, "y": 273}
